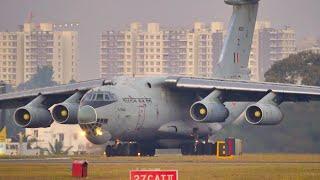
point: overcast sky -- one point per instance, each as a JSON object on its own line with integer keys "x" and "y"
{"x": 96, "y": 16}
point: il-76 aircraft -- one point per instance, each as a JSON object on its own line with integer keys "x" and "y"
{"x": 144, "y": 113}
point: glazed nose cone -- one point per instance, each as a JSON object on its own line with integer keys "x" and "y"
{"x": 87, "y": 114}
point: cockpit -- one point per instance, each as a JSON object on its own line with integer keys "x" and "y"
{"x": 98, "y": 98}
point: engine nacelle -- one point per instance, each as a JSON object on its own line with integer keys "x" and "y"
{"x": 263, "y": 114}
{"x": 209, "y": 112}
{"x": 32, "y": 117}
{"x": 65, "y": 113}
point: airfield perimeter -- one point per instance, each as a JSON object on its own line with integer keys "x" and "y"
{"x": 248, "y": 166}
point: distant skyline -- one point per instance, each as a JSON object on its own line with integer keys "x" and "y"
{"x": 96, "y": 16}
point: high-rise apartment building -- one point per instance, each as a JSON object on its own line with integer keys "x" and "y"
{"x": 269, "y": 45}
{"x": 156, "y": 51}
{"x": 37, "y": 45}
{"x": 315, "y": 49}
{"x": 11, "y": 57}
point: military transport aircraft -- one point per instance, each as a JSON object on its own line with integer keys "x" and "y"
{"x": 140, "y": 114}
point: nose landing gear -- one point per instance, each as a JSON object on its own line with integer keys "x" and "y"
{"x": 129, "y": 149}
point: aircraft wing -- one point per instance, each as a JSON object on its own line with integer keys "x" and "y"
{"x": 236, "y": 90}
{"x": 54, "y": 94}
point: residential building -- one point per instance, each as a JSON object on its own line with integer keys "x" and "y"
{"x": 269, "y": 45}
{"x": 155, "y": 51}
{"x": 315, "y": 49}
{"x": 11, "y": 57}
{"x": 36, "y": 45}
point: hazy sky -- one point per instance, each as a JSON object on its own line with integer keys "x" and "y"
{"x": 96, "y": 16}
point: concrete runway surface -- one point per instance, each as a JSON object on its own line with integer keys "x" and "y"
{"x": 159, "y": 160}
{"x": 247, "y": 166}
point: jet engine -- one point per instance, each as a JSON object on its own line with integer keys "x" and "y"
{"x": 209, "y": 112}
{"x": 263, "y": 114}
{"x": 65, "y": 113}
{"x": 32, "y": 117}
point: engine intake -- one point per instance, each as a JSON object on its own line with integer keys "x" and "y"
{"x": 263, "y": 114}
{"x": 209, "y": 112}
{"x": 32, "y": 117}
{"x": 65, "y": 113}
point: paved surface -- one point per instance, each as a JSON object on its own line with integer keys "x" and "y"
{"x": 144, "y": 161}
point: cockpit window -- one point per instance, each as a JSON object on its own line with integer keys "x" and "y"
{"x": 106, "y": 97}
{"x": 112, "y": 96}
{"x": 93, "y": 97}
{"x": 88, "y": 97}
{"x": 100, "y": 96}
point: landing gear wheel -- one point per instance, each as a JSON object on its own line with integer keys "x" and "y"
{"x": 133, "y": 149}
{"x": 151, "y": 152}
{"x": 209, "y": 149}
{"x": 129, "y": 149}
{"x": 124, "y": 150}
{"x": 119, "y": 150}
{"x": 199, "y": 149}
{"x": 147, "y": 151}
{"x": 109, "y": 151}
{"x": 187, "y": 149}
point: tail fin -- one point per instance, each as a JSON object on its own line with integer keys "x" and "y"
{"x": 233, "y": 62}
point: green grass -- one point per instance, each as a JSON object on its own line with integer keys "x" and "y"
{"x": 253, "y": 166}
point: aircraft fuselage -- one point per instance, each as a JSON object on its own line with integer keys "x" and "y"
{"x": 141, "y": 110}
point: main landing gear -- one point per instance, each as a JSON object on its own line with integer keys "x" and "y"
{"x": 198, "y": 148}
{"x": 129, "y": 149}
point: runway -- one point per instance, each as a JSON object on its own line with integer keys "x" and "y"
{"x": 248, "y": 166}
{"x": 153, "y": 160}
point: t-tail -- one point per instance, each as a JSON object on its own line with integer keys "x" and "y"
{"x": 233, "y": 61}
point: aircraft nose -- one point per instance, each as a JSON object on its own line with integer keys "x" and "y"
{"x": 87, "y": 114}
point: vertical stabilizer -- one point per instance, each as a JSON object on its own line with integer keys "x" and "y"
{"x": 233, "y": 61}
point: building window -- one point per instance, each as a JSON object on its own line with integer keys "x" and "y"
{"x": 75, "y": 136}
{"x": 61, "y": 137}
{"x": 36, "y": 133}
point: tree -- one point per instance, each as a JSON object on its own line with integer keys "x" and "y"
{"x": 56, "y": 148}
{"x": 30, "y": 142}
{"x": 301, "y": 68}
{"x": 72, "y": 81}
{"x": 43, "y": 78}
